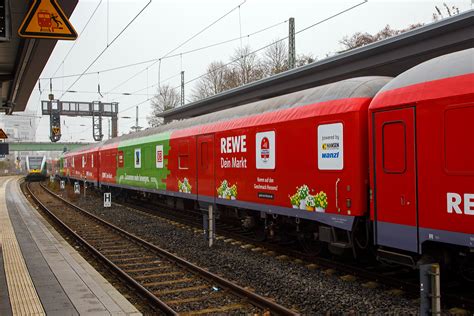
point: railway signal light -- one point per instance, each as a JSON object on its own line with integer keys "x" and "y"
{"x": 55, "y": 126}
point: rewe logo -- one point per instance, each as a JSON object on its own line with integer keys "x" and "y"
{"x": 460, "y": 204}
{"x": 234, "y": 144}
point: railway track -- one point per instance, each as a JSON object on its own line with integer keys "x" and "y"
{"x": 398, "y": 278}
{"x": 170, "y": 284}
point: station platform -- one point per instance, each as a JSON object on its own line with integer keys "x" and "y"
{"x": 40, "y": 273}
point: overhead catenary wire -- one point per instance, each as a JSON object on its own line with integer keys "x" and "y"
{"x": 110, "y": 44}
{"x": 179, "y": 46}
{"x": 75, "y": 42}
{"x": 259, "y": 49}
{"x": 170, "y": 56}
{"x": 282, "y": 39}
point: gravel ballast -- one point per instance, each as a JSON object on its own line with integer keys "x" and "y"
{"x": 309, "y": 291}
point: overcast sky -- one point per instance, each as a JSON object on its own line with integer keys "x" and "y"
{"x": 165, "y": 24}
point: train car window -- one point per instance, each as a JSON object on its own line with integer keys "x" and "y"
{"x": 394, "y": 147}
{"x": 183, "y": 155}
{"x": 459, "y": 144}
{"x": 183, "y": 162}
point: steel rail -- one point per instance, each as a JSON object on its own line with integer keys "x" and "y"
{"x": 253, "y": 298}
{"x": 142, "y": 290}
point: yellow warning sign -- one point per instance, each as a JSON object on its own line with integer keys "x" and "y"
{"x": 3, "y": 135}
{"x": 46, "y": 19}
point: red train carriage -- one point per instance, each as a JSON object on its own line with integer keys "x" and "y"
{"x": 53, "y": 166}
{"x": 301, "y": 155}
{"x": 303, "y": 159}
{"x": 83, "y": 164}
{"x": 109, "y": 161}
{"x": 422, "y": 156}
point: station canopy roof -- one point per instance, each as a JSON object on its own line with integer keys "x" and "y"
{"x": 389, "y": 57}
{"x": 22, "y": 60}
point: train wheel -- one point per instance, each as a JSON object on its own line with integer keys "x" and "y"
{"x": 467, "y": 271}
{"x": 259, "y": 233}
{"x": 310, "y": 245}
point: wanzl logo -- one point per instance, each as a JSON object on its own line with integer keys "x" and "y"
{"x": 330, "y": 155}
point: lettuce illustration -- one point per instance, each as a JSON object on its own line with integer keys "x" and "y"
{"x": 310, "y": 201}
{"x": 227, "y": 192}
{"x": 321, "y": 200}
{"x": 303, "y": 200}
{"x": 303, "y": 191}
{"x": 184, "y": 186}
{"x": 295, "y": 200}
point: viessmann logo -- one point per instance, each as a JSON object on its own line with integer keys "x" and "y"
{"x": 330, "y": 146}
{"x": 460, "y": 204}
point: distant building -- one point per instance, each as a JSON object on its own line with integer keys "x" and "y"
{"x": 19, "y": 128}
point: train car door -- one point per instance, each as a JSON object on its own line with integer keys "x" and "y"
{"x": 205, "y": 168}
{"x": 396, "y": 213}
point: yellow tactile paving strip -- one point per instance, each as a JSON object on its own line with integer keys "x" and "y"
{"x": 23, "y": 297}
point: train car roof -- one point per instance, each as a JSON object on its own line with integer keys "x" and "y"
{"x": 446, "y": 66}
{"x": 360, "y": 87}
{"x": 446, "y": 76}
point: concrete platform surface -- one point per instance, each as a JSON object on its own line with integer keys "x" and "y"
{"x": 40, "y": 273}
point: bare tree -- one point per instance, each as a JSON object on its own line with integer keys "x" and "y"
{"x": 304, "y": 59}
{"x": 448, "y": 12}
{"x": 213, "y": 82}
{"x": 360, "y": 39}
{"x": 275, "y": 58}
{"x": 355, "y": 40}
{"x": 167, "y": 98}
{"x": 245, "y": 67}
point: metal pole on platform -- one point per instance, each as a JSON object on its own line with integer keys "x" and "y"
{"x": 85, "y": 186}
{"x": 211, "y": 225}
{"x": 430, "y": 289}
{"x": 436, "y": 290}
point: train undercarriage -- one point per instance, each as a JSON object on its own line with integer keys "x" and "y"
{"x": 313, "y": 238}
